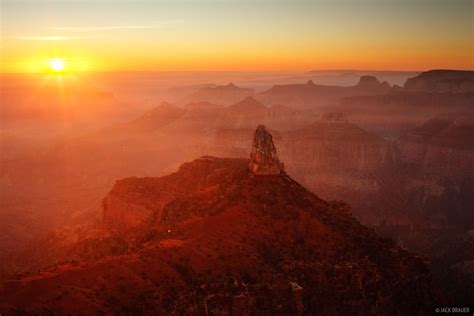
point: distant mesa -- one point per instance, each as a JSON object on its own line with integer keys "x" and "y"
{"x": 311, "y": 95}
{"x": 263, "y": 157}
{"x": 442, "y": 81}
{"x": 368, "y": 81}
{"x": 371, "y": 82}
{"x": 221, "y": 95}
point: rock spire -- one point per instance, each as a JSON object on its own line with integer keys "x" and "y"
{"x": 263, "y": 157}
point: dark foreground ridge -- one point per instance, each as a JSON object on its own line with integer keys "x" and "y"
{"x": 216, "y": 238}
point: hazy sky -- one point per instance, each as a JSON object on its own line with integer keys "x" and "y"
{"x": 238, "y": 35}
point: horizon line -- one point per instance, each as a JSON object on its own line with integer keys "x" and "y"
{"x": 302, "y": 72}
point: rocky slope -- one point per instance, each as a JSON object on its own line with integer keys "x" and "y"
{"x": 216, "y": 238}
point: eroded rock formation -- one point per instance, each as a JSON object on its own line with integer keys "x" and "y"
{"x": 263, "y": 157}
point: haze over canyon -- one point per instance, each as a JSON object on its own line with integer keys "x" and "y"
{"x": 306, "y": 157}
{"x": 397, "y": 159}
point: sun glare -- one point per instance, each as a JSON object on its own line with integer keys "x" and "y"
{"x": 56, "y": 64}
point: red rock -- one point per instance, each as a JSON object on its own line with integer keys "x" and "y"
{"x": 263, "y": 157}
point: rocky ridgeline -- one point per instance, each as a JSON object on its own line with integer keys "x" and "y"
{"x": 263, "y": 157}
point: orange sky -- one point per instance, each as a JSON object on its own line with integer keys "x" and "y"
{"x": 237, "y": 35}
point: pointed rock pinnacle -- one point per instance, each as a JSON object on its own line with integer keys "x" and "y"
{"x": 263, "y": 157}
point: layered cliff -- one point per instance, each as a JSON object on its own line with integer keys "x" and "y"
{"x": 438, "y": 161}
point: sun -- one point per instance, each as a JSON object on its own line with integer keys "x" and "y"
{"x": 56, "y": 64}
